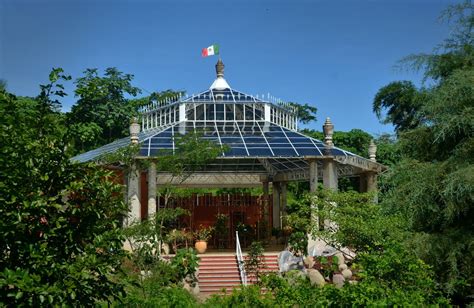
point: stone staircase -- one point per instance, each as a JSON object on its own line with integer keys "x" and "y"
{"x": 220, "y": 271}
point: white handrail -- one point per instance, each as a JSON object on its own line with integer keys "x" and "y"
{"x": 240, "y": 259}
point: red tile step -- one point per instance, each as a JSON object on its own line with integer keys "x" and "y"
{"x": 217, "y": 272}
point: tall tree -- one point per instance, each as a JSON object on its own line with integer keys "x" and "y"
{"x": 305, "y": 112}
{"x": 433, "y": 187}
{"x": 400, "y": 100}
{"x": 59, "y": 236}
{"x": 156, "y": 97}
{"x": 103, "y": 111}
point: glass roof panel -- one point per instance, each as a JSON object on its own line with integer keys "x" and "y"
{"x": 259, "y": 152}
{"x": 243, "y": 139}
{"x": 284, "y": 152}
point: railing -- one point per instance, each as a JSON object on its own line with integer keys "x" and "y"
{"x": 240, "y": 259}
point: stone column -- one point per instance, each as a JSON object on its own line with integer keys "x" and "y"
{"x": 134, "y": 195}
{"x": 152, "y": 189}
{"x": 329, "y": 165}
{"x": 133, "y": 191}
{"x": 372, "y": 176}
{"x": 276, "y": 205}
{"x": 330, "y": 174}
{"x": 371, "y": 181}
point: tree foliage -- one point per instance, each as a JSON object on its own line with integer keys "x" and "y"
{"x": 388, "y": 272}
{"x": 401, "y": 100}
{"x": 432, "y": 187}
{"x": 59, "y": 236}
{"x": 156, "y": 97}
{"x": 103, "y": 111}
{"x": 305, "y": 112}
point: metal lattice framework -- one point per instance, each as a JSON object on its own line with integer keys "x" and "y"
{"x": 258, "y": 136}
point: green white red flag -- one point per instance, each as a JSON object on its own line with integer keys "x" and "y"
{"x": 210, "y": 51}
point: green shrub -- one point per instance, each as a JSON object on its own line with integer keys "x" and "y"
{"x": 174, "y": 296}
{"x": 254, "y": 262}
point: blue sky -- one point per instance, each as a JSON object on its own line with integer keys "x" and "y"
{"x": 334, "y": 55}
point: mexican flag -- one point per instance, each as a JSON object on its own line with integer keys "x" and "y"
{"x": 210, "y": 51}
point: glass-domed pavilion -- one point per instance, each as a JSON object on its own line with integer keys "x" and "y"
{"x": 261, "y": 142}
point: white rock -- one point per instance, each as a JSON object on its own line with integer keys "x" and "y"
{"x": 316, "y": 278}
{"x": 187, "y": 287}
{"x": 309, "y": 261}
{"x": 340, "y": 258}
{"x": 196, "y": 290}
{"x": 347, "y": 273}
{"x": 338, "y": 280}
{"x": 165, "y": 248}
{"x": 342, "y": 267}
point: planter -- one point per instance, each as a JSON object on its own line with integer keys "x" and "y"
{"x": 201, "y": 246}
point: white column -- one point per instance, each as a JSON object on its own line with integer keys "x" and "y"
{"x": 134, "y": 195}
{"x": 152, "y": 189}
{"x": 266, "y": 109}
{"x": 276, "y": 205}
{"x": 182, "y": 112}
{"x": 372, "y": 184}
{"x": 329, "y": 174}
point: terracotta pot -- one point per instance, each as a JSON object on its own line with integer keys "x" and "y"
{"x": 201, "y": 246}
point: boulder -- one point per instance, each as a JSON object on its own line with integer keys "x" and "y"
{"x": 328, "y": 251}
{"x": 283, "y": 258}
{"x": 187, "y": 287}
{"x": 338, "y": 280}
{"x": 340, "y": 258}
{"x": 316, "y": 278}
{"x": 196, "y": 290}
{"x": 165, "y": 248}
{"x": 342, "y": 267}
{"x": 347, "y": 273}
{"x": 309, "y": 262}
{"x": 287, "y": 262}
{"x": 319, "y": 248}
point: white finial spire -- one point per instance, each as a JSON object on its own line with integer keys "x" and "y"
{"x": 372, "y": 150}
{"x": 134, "y": 130}
{"x": 220, "y": 83}
{"x": 328, "y": 129}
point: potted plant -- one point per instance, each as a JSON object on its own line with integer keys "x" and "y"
{"x": 203, "y": 234}
{"x": 178, "y": 237}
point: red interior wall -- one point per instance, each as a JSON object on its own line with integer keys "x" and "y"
{"x": 205, "y": 208}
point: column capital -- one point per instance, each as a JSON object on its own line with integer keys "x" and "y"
{"x": 134, "y": 130}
